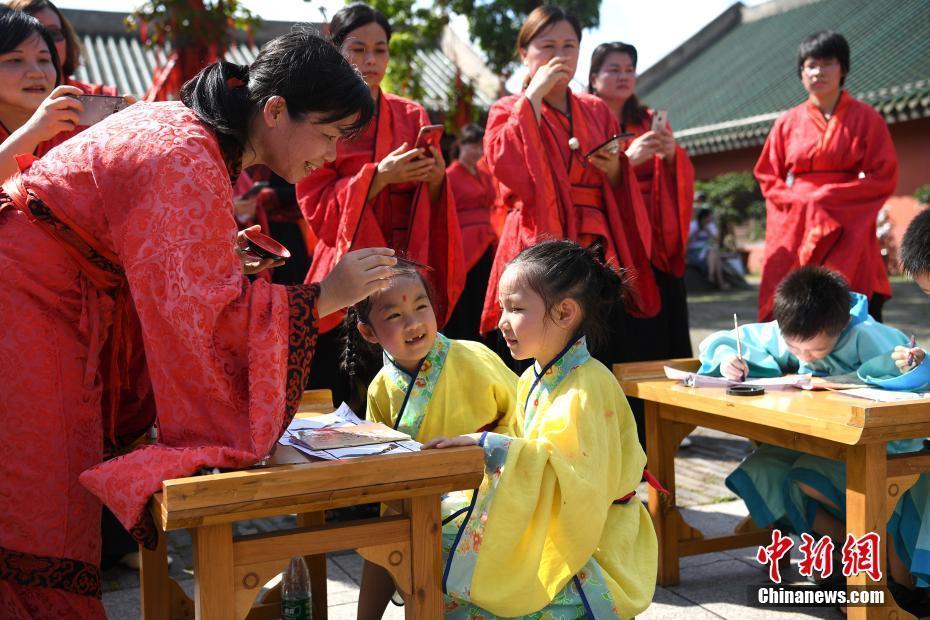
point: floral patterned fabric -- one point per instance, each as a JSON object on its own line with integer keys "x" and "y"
{"x": 226, "y": 358}
{"x": 419, "y": 389}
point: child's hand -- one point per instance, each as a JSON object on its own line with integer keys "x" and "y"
{"x": 734, "y": 369}
{"x": 902, "y": 354}
{"x": 450, "y": 442}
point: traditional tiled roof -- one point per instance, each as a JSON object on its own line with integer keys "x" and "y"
{"x": 724, "y": 87}
{"x": 116, "y": 57}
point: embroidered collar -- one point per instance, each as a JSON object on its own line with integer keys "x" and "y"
{"x": 417, "y": 390}
{"x": 547, "y": 379}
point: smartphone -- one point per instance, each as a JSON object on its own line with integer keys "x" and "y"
{"x": 253, "y": 191}
{"x": 612, "y": 144}
{"x": 660, "y": 120}
{"x": 98, "y": 107}
{"x": 430, "y": 135}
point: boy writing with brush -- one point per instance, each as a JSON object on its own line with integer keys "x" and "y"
{"x": 820, "y": 328}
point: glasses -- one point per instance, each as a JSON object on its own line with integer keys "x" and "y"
{"x": 56, "y": 34}
{"x": 815, "y": 67}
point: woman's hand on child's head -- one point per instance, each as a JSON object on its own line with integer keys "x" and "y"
{"x": 450, "y": 442}
{"x": 734, "y": 369}
{"x": 355, "y": 277}
{"x": 906, "y": 359}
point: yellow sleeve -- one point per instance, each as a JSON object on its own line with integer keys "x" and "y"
{"x": 503, "y": 383}
{"x": 379, "y": 401}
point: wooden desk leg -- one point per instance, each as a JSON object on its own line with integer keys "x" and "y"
{"x": 425, "y": 602}
{"x": 154, "y": 592}
{"x": 214, "y": 582}
{"x": 317, "y": 566}
{"x": 866, "y": 511}
{"x": 661, "y": 445}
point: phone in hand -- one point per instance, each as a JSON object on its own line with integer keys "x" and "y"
{"x": 98, "y": 107}
{"x": 660, "y": 120}
{"x": 429, "y": 135}
{"x": 612, "y": 144}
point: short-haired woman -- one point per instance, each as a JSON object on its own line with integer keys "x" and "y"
{"x": 826, "y": 169}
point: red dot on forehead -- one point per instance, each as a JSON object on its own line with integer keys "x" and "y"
{"x": 404, "y": 297}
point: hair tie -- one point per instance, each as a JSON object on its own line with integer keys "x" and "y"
{"x": 234, "y": 82}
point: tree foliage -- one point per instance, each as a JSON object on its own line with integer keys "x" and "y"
{"x": 191, "y": 23}
{"x": 494, "y": 24}
{"x": 734, "y": 198}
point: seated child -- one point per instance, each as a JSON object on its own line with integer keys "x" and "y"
{"x": 820, "y": 328}
{"x": 429, "y": 386}
{"x": 909, "y": 526}
{"x": 555, "y": 529}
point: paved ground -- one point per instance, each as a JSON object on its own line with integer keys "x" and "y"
{"x": 712, "y": 586}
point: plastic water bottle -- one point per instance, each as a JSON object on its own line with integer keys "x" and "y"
{"x": 295, "y": 591}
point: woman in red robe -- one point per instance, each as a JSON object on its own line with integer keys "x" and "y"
{"x": 537, "y": 146}
{"x": 127, "y": 229}
{"x": 380, "y": 191}
{"x": 473, "y": 189}
{"x": 35, "y": 114}
{"x": 66, "y": 41}
{"x": 826, "y": 169}
{"x": 666, "y": 181}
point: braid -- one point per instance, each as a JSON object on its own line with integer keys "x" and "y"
{"x": 355, "y": 355}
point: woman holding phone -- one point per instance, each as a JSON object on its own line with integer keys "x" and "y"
{"x": 381, "y": 190}
{"x": 35, "y": 112}
{"x": 66, "y": 41}
{"x": 126, "y": 229}
{"x": 559, "y": 172}
{"x": 666, "y": 181}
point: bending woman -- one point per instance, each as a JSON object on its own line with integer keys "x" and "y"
{"x": 128, "y": 228}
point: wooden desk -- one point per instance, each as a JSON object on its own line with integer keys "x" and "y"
{"x": 821, "y": 423}
{"x": 229, "y": 571}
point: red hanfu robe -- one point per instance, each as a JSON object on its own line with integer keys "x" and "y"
{"x": 474, "y": 198}
{"x": 127, "y": 229}
{"x": 333, "y": 200}
{"x": 824, "y": 183}
{"x": 551, "y": 193}
{"x": 668, "y": 193}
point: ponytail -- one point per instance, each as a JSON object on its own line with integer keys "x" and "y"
{"x": 301, "y": 67}
{"x": 561, "y": 269}
{"x": 219, "y": 96}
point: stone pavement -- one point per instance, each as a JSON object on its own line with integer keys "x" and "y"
{"x": 712, "y": 585}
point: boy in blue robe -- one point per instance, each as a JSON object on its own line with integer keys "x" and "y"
{"x": 820, "y": 328}
{"x": 909, "y": 527}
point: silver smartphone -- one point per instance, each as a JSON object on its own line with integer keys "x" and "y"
{"x": 98, "y": 107}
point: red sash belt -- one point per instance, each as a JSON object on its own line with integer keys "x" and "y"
{"x": 102, "y": 269}
{"x": 651, "y": 481}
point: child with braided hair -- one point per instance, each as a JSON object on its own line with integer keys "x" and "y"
{"x": 429, "y": 386}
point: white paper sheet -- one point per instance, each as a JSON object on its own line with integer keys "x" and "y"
{"x": 692, "y": 379}
{"x": 343, "y": 416}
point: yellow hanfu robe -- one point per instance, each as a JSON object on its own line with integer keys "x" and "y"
{"x": 555, "y": 531}
{"x": 462, "y": 387}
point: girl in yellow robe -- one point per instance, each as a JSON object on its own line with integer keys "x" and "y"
{"x": 555, "y": 530}
{"x": 429, "y": 386}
